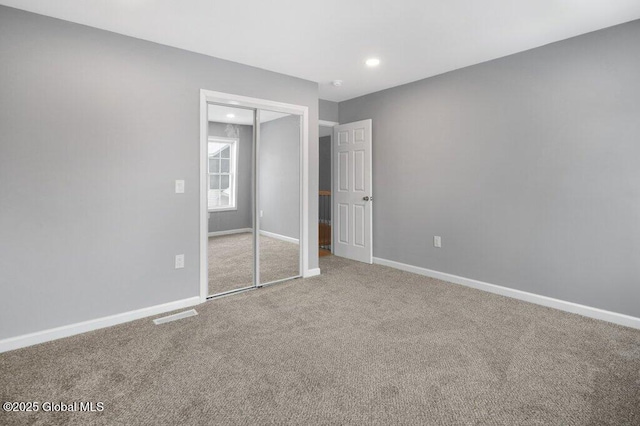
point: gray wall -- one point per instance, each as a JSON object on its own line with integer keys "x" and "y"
{"x": 325, "y": 163}
{"x": 328, "y": 110}
{"x": 279, "y": 163}
{"x": 94, "y": 129}
{"x": 243, "y": 216}
{"x": 527, "y": 166}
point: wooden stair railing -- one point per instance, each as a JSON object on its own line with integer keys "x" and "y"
{"x": 324, "y": 226}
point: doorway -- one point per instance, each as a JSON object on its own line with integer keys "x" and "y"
{"x": 325, "y": 178}
{"x": 253, "y": 193}
{"x": 345, "y": 216}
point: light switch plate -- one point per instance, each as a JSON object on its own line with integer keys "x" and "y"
{"x": 179, "y": 261}
{"x": 437, "y": 241}
{"x": 179, "y": 187}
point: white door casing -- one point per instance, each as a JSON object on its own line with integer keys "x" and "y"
{"x": 352, "y": 191}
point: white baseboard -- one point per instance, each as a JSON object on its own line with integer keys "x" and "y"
{"x": 95, "y": 324}
{"x": 311, "y": 273}
{"x": 229, "y": 232}
{"x": 550, "y": 302}
{"x": 280, "y": 237}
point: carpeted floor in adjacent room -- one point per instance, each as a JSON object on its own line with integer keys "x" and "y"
{"x": 360, "y": 344}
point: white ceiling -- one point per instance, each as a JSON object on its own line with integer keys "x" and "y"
{"x": 326, "y": 40}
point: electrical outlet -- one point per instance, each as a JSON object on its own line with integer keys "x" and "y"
{"x": 437, "y": 241}
{"x": 179, "y": 261}
{"x": 179, "y": 187}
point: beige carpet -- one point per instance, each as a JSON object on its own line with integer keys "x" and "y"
{"x": 231, "y": 261}
{"x": 358, "y": 345}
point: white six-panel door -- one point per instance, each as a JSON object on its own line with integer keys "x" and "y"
{"x": 352, "y": 191}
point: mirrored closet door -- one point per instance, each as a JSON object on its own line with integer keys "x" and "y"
{"x": 254, "y": 198}
{"x": 279, "y": 196}
{"x": 231, "y": 153}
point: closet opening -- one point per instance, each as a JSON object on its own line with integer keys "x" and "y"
{"x": 253, "y": 197}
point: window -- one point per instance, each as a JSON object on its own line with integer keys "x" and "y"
{"x": 222, "y": 169}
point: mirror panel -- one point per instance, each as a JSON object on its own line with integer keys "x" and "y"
{"x": 230, "y": 198}
{"x": 279, "y": 196}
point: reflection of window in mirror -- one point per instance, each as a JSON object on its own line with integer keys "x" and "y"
{"x": 223, "y": 169}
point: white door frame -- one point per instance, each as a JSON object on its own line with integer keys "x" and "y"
{"x": 248, "y": 102}
{"x": 330, "y": 124}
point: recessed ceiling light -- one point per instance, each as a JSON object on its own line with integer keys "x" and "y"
{"x": 337, "y": 83}
{"x": 372, "y": 62}
{"x": 231, "y": 115}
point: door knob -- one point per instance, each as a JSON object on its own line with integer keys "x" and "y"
{"x": 367, "y": 198}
